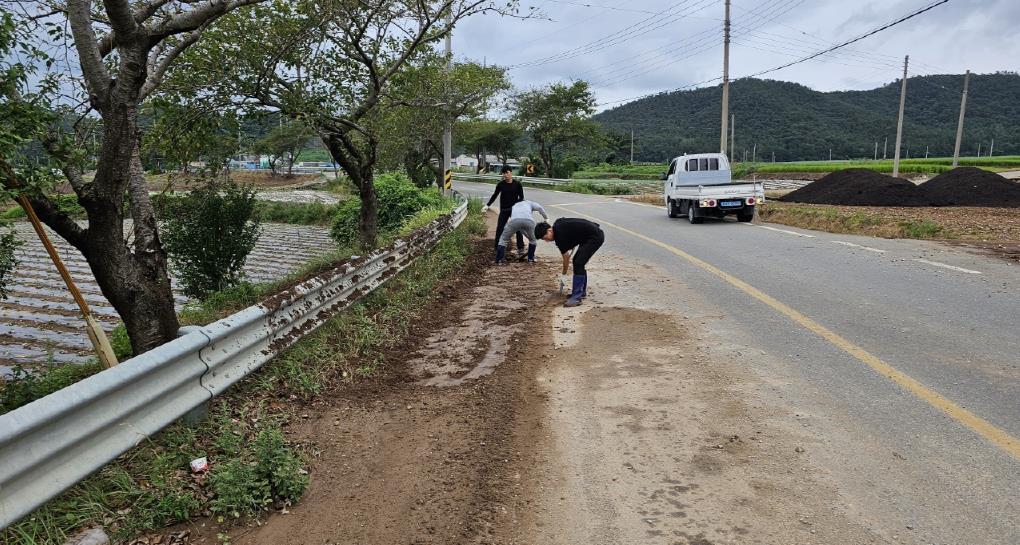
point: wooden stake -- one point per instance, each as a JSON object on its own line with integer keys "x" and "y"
{"x": 96, "y": 334}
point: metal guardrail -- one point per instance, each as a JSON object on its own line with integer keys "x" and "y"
{"x": 52, "y": 443}
{"x": 769, "y": 184}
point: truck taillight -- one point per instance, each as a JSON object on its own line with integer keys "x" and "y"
{"x": 707, "y": 203}
{"x": 751, "y": 201}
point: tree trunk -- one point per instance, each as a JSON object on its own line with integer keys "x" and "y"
{"x": 369, "y": 226}
{"x": 135, "y": 282}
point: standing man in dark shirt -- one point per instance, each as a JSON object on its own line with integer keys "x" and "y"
{"x": 570, "y": 233}
{"x": 510, "y": 192}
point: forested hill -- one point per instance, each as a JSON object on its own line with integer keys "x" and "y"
{"x": 798, "y": 123}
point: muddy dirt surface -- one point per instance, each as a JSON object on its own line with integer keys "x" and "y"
{"x": 39, "y": 321}
{"x": 623, "y": 421}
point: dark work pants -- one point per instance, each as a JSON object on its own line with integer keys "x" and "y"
{"x": 504, "y": 216}
{"x": 585, "y": 250}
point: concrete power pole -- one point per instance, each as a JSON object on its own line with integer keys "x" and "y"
{"x": 754, "y": 152}
{"x": 733, "y": 136}
{"x": 448, "y": 132}
{"x": 959, "y": 125}
{"x": 899, "y": 124}
{"x": 885, "y": 148}
{"x": 725, "y": 81}
{"x": 991, "y": 148}
{"x": 632, "y": 146}
{"x": 876, "y": 150}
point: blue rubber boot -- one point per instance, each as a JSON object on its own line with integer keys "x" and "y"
{"x": 500, "y": 254}
{"x": 584, "y": 287}
{"x": 531, "y": 252}
{"x": 576, "y": 293}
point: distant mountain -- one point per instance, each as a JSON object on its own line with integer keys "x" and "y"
{"x": 798, "y": 123}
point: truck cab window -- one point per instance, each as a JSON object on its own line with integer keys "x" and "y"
{"x": 713, "y": 164}
{"x": 692, "y": 165}
{"x": 704, "y": 163}
{"x": 672, "y": 168}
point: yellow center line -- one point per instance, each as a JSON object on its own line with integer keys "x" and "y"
{"x": 982, "y": 427}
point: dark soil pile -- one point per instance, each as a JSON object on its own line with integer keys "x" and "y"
{"x": 858, "y": 187}
{"x": 969, "y": 186}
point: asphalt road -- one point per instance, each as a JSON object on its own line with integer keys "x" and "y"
{"x": 903, "y": 355}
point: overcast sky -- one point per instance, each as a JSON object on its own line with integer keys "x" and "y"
{"x": 627, "y": 49}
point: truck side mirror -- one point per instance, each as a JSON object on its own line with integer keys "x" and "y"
{"x": 663, "y": 177}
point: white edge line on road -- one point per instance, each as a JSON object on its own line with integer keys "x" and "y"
{"x": 784, "y": 231}
{"x": 852, "y": 245}
{"x": 945, "y": 266}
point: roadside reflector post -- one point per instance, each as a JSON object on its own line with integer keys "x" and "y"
{"x": 97, "y": 336}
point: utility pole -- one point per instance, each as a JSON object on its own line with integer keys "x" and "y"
{"x": 979, "y": 149}
{"x": 899, "y": 124}
{"x": 773, "y": 157}
{"x": 992, "y": 148}
{"x": 926, "y": 152}
{"x": 876, "y": 150}
{"x": 632, "y": 146}
{"x": 448, "y": 132}
{"x": 830, "y": 154}
{"x": 754, "y": 152}
{"x": 725, "y": 81}
{"x": 733, "y": 135}
{"x": 959, "y": 125}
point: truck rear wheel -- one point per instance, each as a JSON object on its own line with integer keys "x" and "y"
{"x": 692, "y": 216}
{"x": 746, "y": 214}
{"x": 672, "y": 209}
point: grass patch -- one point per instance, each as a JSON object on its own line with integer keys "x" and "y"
{"x": 25, "y": 387}
{"x": 252, "y": 465}
{"x": 841, "y": 220}
{"x": 295, "y": 213}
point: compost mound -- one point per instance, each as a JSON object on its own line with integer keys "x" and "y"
{"x": 858, "y": 187}
{"x": 969, "y": 186}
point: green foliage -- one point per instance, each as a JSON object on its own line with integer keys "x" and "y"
{"x": 183, "y": 132}
{"x": 399, "y": 199}
{"x": 487, "y": 136}
{"x": 922, "y": 229}
{"x": 209, "y": 233}
{"x": 798, "y": 123}
{"x": 295, "y": 213}
{"x": 558, "y": 119}
{"x": 25, "y": 386}
{"x": 121, "y": 343}
{"x": 284, "y": 143}
{"x": 8, "y": 261}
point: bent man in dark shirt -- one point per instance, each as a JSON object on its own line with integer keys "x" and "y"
{"x": 570, "y": 233}
{"x": 510, "y": 192}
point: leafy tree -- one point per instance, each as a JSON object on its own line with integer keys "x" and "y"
{"x": 183, "y": 133}
{"x": 557, "y": 117}
{"x": 426, "y": 95}
{"x": 122, "y": 50}
{"x": 209, "y": 233}
{"x": 332, "y": 64}
{"x": 483, "y": 136}
{"x": 285, "y": 142}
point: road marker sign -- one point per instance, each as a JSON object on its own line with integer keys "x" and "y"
{"x": 448, "y": 180}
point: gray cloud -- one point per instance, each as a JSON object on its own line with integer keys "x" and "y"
{"x": 640, "y": 59}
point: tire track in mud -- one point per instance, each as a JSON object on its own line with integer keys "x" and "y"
{"x": 39, "y": 322}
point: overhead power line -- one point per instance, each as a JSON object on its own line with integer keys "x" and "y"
{"x": 851, "y": 41}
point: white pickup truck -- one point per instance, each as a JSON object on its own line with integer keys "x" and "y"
{"x": 701, "y": 185}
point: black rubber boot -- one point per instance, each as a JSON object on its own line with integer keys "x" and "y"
{"x": 531, "y": 252}
{"x": 500, "y": 254}
{"x": 576, "y": 293}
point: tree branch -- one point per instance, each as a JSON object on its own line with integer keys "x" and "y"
{"x": 197, "y": 17}
{"x": 97, "y": 78}
{"x": 122, "y": 21}
{"x": 157, "y": 66}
